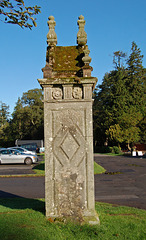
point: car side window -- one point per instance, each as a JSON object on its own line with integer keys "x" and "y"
{"x": 21, "y": 149}
{"x": 4, "y": 152}
{"x": 13, "y": 151}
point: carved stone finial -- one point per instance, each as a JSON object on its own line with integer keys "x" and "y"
{"x": 86, "y": 59}
{"x": 51, "y": 36}
{"x": 81, "y": 35}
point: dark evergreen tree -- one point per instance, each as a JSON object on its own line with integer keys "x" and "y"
{"x": 119, "y": 101}
{"x": 136, "y": 79}
{"x": 4, "y": 121}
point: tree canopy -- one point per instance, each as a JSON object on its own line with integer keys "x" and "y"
{"x": 27, "y": 121}
{"x": 4, "y": 119}
{"x": 16, "y": 12}
{"x": 27, "y": 118}
{"x": 119, "y": 106}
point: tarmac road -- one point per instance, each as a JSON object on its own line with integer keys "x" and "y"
{"x": 26, "y": 187}
{"x": 16, "y": 169}
{"x": 124, "y": 182}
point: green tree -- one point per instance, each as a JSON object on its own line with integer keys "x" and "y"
{"x": 27, "y": 118}
{"x": 119, "y": 59}
{"x": 4, "y": 114}
{"x": 128, "y": 122}
{"x": 119, "y": 105}
{"x": 136, "y": 84}
{"x": 136, "y": 79}
{"x": 4, "y": 120}
{"x": 109, "y": 103}
{"x": 16, "y": 12}
{"x": 115, "y": 133}
{"x": 142, "y": 126}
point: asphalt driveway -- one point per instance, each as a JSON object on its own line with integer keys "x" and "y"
{"x": 124, "y": 182}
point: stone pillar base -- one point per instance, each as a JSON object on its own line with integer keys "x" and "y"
{"x": 91, "y": 220}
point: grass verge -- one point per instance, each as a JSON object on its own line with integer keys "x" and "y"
{"x": 111, "y": 154}
{"x": 39, "y": 171}
{"x": 98, "y": 169}
{"x": 25, "y": 219}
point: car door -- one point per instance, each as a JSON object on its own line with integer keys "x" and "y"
{"x": 15, "y": 156}
{"x": 5, "y": 156}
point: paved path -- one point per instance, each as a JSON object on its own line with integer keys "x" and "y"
{"x": 124, "y": 183}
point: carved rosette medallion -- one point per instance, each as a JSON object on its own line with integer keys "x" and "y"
{"x": 57, "y": 93}
{"x": 77, "y": 93}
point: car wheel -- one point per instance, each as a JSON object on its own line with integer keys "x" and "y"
{"x": 28, "y": 161}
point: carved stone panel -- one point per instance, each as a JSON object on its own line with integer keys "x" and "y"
{"x": 67, "y": 92}
{"x": 48, "y": 93}
{"x": 69, "y": 142}
{"x": 69, "y": 180}
{"x": 57, "y": 93}
{"x": 77, "y": 92}
{"x": 88, "y": 91}
{"x": 69, "y": 162}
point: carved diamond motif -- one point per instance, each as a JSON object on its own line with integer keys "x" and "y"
{"x": 69, "y": 146}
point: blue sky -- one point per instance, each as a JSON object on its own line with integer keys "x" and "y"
{"x": 111, "y": 25}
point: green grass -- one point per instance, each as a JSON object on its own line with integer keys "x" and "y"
{"x": 115, "y": 154}
{"x": 111, "y": 154}
{"x": 40, "y": 169}
{"x": 25, "y": 219}
{"x": 98, "y": 169}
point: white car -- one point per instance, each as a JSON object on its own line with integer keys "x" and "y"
{"x": 9, "y": 156}
{"x": 23, "y": 150}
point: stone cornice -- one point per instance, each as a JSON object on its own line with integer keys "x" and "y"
{"x": 67, "y": 81}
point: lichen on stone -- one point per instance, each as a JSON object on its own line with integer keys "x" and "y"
{"x": 66, "y": 58}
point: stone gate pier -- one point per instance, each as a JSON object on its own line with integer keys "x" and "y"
{"x": 69, "y": 165}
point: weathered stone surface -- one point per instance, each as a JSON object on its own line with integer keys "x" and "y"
{"x": 69, "y": 168}
{"x": 81, "y": 35}
{"x": 69, "y": 159}
{"x": 51, "y": 36}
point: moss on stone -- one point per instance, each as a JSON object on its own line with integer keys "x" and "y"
{"x": 67, "y": 58}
